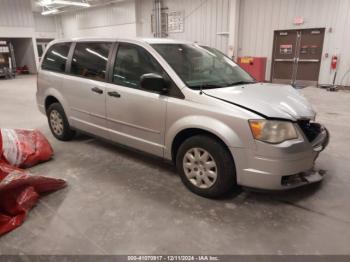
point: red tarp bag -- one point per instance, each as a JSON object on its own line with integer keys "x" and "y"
{"x": 24, "y": 148}
{"x": 19, "y": 192}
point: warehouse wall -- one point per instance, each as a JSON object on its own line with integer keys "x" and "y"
{"x": 46, "y": 26}
{"x": 22, "y": 9}
{"x": 20, "y": 28}
{"x": 144, "y": 11}
{"x": 114, "y": 20}
{"x": 258, "y": 20}
{"x": 19, "y": 25}
{"x": 205, "y": 21}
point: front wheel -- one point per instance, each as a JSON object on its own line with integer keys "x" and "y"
{"x": 206, "y": 166}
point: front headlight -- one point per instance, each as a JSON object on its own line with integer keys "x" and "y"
{"x": 272, "y": 131}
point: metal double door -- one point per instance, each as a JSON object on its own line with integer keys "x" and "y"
{"x": 297, "y": 56}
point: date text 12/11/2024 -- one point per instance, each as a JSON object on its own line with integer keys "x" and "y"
{"x": 173, "y": 258}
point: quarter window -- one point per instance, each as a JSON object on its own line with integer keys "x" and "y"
{"x": 56, "y": 58}
{"x": 131, "y": 63}
{"x": 90, "y": 60}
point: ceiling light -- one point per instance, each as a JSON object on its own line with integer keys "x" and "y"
{"x": 49, "y": 12}
{"x": 45, "y": 2}
{"x": 62, "y": 2}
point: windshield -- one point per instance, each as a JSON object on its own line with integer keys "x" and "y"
{"x": 202, "y": 67}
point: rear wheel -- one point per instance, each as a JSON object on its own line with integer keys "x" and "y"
{"x": 206, "y": 166}
{"x": 58, "y": 123}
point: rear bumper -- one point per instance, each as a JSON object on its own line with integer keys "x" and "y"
{"x": 282, "y": 166}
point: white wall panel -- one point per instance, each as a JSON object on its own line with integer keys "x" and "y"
{"x": 204, "y": 19}
{"x": 16, "y": 13}
{"x": 117, "y": 14}
{"x": 258, "y": 20}
{"x": 114, "y": 20}
{"x": 7, "y": 31}
{"x": 44, "y": 23}
{"x": 144, "y": 10}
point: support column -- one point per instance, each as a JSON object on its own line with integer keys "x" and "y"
{"x": 158, "y": 17}
{"x": 36, "y": 55}
{"x": 233, "y": 29}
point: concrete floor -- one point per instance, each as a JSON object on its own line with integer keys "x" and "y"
{"x": 122, "y": 202}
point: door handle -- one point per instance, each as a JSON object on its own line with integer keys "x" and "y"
{"x": 284, "y": 60}
{"x": 114, "y": 94}
{"x": 309, "y": 60}
{"x": 97, "y": 90}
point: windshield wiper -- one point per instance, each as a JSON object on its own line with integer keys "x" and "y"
{"x": 205, "y": 86}
{"x": 241, "y": 83}
{"x": 212, "y": 86}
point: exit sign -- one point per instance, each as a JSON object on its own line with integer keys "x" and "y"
{"x": 298, "y": 20}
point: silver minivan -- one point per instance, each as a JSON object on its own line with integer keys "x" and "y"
{"x": 186, "y": 103}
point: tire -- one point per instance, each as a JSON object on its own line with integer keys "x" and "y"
{"x": 58, "y": 123}
{"x": 197, "y": 173}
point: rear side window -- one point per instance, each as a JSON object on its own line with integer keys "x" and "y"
{"x": 90, "y": 60}
{"x": 56, "y": 58}
{"x": 131, "y": 63}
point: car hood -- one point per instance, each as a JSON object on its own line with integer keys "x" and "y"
{"x": 269, "y": 100}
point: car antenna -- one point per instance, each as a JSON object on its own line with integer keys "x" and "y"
{"x": 201, "y": 89}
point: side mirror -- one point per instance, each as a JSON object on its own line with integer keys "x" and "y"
{"x": 153, "y": 82}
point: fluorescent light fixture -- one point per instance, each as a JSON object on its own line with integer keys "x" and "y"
{"x": 45, "y": 2}
{"x": 63, "y": 2}
{"x": 49, "y": 12}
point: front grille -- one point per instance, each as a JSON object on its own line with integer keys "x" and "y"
{"x": 311, "y": 130}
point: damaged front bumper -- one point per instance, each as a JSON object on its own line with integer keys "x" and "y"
{"x": 303, "y": 178}
{"x": 315, "y": 133}
{"x": 284, "y": 166}
{"x": 321, "y": 141}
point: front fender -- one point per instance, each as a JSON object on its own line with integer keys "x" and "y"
{"x": 209, "y": 124}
